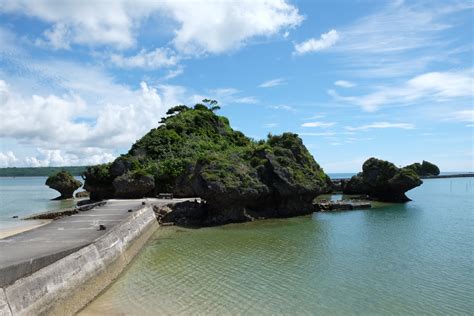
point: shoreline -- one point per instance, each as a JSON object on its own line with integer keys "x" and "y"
{"x": 4, "y": 233}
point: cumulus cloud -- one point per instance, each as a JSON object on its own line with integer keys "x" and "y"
{"x": 344, "y": 84}
{"x": 7, "y": 159}
{"x": 325, "y": 41}
{"x": 57, "y": 157}
{"x": 219, "y": 26}
{"x": 64, "y": 133}
{"x": 272, "y": 83}
{"x": 381, "y": 125}
{"x": 434, "y": 86}
{"x": 155, "y": 59}
{"x": 200, "y": 26}
{"x": 318, "y": 124}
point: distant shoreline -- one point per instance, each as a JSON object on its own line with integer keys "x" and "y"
{"x": 40, "y": 171}
{"x": 460, "y": 175}
{"x": 442, "y": 176}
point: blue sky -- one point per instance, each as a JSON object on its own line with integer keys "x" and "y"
{"x": 80, "y": 81}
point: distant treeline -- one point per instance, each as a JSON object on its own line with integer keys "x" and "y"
{"x": 40, "y": 171}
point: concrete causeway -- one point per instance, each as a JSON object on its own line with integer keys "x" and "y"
{"x": 47, "y": 257}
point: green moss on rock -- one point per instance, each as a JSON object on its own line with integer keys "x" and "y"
{"x": 425, "y": 169}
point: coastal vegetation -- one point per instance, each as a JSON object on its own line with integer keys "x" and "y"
{"x": 64, "y": 183}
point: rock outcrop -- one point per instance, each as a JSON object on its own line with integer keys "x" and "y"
{"x": 283, "y": 181}
{"x": 425, "y": 169}
{"x": 64, "y": 183}
{"x": 382, "y": 180}
{"x": 195, "y": 153}
{"x": 132, "y": 185}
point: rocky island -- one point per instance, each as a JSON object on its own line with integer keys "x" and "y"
{"x": 195, "y": 153}
{"x": 382, "y": 180}
{"x": 64, "y": 183}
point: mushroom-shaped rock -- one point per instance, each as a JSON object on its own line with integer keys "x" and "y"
{"x": 64, "y": 183}
{"x": 383, "y": 181}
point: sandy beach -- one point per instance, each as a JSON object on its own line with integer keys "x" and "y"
{"x": 28, "y": 226}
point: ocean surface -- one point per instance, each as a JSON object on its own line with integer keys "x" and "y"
{"x": 22, "y": 196}
{"x": 414, "y": 258}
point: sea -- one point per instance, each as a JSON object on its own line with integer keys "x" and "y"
{"x": 413, "y": 258}
{"x": 23, "y": 196}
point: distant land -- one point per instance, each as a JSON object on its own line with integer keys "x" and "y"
{"x": 39, "y": 171}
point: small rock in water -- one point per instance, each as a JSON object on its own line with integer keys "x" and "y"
{"x": 143, "y": 203}
{"x": 130, "y": 211}
{"x": 102, "y": 227}
{"x": 15, "y": 216}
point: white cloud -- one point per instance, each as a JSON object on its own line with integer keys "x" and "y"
{"x": 315, "y": 117}
{"x": 270, "y": 125}
{"x": 463, "y": 116}
{"x": 314, "y": 45}
{"x": 57, "y": 157}
{"x": 58, "y": 37}
{"x": 155, "y": 59}
{"x": 401, "y": 39}
{"x": 220, "y": 26}
{"x": 7, "y": 159}
{"x": 344, "y": 84}
{"x": 9, "y": 42}
{"x": 434, "y": 86}
{"x": 282, "y": 107}
{"x": 318, "y": 124}
{"x": 200, "y": 26}
{"x": 318, "y": 134}
{"x": 381, "y": 125}
{"x": 272, "y": 83}
{"x": 64, "y": 126}
{"x": 173, "y": 73}
{"x": 229, "y": 96}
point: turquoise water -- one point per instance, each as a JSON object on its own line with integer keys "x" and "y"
{"x": 21, "y": 196}
{"x": 414, "y": 258}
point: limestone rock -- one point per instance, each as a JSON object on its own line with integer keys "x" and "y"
{"x": 383, "y": 181}
{"x": 64, "y": 183}
{"x": 133, "y": 185}
{"x": 425, "y": 169}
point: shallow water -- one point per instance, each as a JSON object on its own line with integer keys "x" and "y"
{"x": 415, "y": 258}
{"x": 22, "y": 196}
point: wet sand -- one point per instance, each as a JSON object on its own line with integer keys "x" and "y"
{"x": 29, "y": 225}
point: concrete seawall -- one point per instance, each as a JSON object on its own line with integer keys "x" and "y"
{"x": 68, "y": 284}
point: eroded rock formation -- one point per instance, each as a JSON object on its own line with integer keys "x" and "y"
{"x": 64, "y": 183}
{"x": 382, "y": 180}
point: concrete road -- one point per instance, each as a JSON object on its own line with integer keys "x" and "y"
{"x": 32, "y": 250}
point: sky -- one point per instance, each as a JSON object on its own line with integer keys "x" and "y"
{"x": 81, "y": 81}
